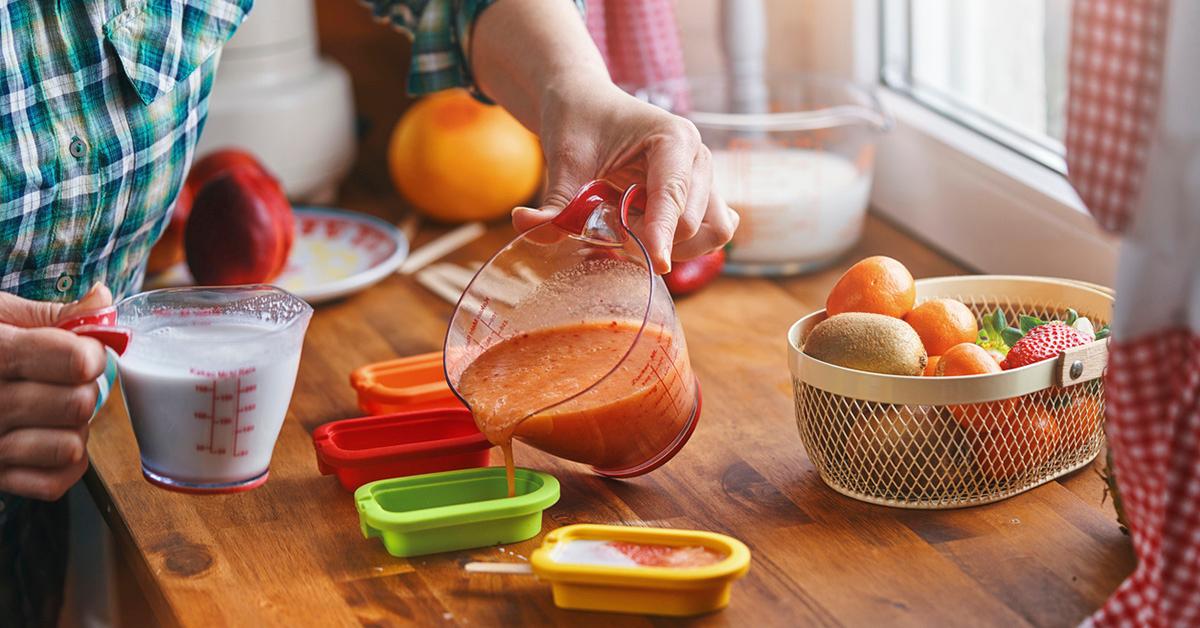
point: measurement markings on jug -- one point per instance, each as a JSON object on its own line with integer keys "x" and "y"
{"x": 225, "y": 408}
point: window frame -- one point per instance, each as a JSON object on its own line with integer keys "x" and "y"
{"x": 976, "y": 199}
{"x": 895, "y": 50}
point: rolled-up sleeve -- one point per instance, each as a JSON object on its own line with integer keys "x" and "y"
{"x": 440, "y": 31}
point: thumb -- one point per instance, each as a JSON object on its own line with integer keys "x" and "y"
{"x": 563, "y": 181}
{"x": 26, "y": 313}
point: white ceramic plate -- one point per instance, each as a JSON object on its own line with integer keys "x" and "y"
{"x": 335, "y": 253}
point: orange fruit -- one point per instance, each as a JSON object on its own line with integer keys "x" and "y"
{"x": 880, "y": 285}
{"x": 931, "y": 366}
{"x": 943, "y": 323}
{"x": 968, "y": 358}
{"x": 456, "y": 159}
{"x": 1023, "y": 443}
{"x": 1079, "y": 420}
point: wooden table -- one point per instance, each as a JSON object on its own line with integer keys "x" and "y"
{"x": 290, "y": 552}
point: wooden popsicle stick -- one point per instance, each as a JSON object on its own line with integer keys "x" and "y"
{"x": 458, "y": 275}
{"x": 410, "y": 225}
{"x": 441, "y": 247}
{"x": 503, "y": 287}
{"x": 438, "y": 285}
{"x": 522, "y": 569}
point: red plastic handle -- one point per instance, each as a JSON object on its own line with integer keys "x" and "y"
{"x": 115, "y": 338}
{"x": 591, "y": 196}
{"x": 102, "y": 325}
{"x": 105, "y": 316}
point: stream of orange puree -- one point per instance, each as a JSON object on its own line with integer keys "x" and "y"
{"x": 624, "y": 421}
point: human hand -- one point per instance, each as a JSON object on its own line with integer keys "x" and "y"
{"x": 47, "y": 382}
{"x": 593, "y": 130}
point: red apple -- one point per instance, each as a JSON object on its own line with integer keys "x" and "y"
{"x": 240, "y": 230}
{"x": 219, "y": 162}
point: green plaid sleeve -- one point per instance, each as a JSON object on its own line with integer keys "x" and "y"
{"x": 441, "y": 30}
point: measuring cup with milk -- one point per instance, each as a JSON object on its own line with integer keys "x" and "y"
{"x": 207, "y": 379}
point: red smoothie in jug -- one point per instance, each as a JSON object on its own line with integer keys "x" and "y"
{"x": 632, "y": 415}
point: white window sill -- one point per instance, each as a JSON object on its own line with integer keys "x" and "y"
{"x": 983, "y": 203}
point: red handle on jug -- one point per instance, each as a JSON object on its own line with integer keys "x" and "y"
{"x": 101, "y": 325}
{"x": 574, "y": 217}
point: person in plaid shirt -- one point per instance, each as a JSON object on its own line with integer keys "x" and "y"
{"x": 101, "y": 105}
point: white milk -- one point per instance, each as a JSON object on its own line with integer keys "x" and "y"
{"x": 798, "y": 207}
{"x": 207, "y": 401}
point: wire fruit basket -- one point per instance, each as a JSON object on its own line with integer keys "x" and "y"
{"x": 949, "y": 442}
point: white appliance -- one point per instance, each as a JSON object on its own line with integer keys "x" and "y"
{"x": 275, "y": 97}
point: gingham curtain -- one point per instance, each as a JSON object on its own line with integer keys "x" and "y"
{"x": 1133, "y": 153}
{"x": 639, "y": 40}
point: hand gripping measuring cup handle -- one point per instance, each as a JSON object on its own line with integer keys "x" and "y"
{"x": 102, "y": 325}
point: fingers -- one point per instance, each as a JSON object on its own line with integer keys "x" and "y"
{"x": 37, "y": 404}
{"x": 46, "y": 354}
{"x": 20, "y": 312}
{"x": 25, "y": 313}
{"x": 526, "y": 218}
{"x": 44, "y": 484}
{"x": 43, "y": 448}
{"x": 697, "y": 199}
{"x": 670, "y": 159}
{"x": 720, "y": 223}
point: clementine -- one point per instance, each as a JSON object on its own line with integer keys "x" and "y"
{"x": 931, "y": 366}
{"x": 879, "y": 284}
{"x": 456, "y": 159}
{"x": 1021, "y": 445}
{"x": 968, "y": 358}
{"x": 1080, "y": 421}
{"x": 943, "y": 323}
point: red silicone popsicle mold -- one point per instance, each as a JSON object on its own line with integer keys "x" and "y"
{"x": 372, "y": 448}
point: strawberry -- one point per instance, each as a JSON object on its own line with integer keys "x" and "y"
{"x": 1043, "y": 342}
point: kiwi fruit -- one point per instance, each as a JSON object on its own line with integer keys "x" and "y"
{"x": 868, "y": 342}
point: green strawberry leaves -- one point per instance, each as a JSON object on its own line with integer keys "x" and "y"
{"x": 991, "y": 334}
{"x": 1011, "y": 335}
{"x": 1029, "y": 322}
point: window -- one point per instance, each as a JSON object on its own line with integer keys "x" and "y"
{"x": 978, "y": 91}
{"x": 998, "y": 68}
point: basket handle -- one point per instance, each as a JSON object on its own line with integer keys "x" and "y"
{"x": 1081, "y": 364}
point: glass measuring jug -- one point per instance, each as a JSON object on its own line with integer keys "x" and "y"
{"x": 568, "y": 341}
{"x": 207, "y": 380}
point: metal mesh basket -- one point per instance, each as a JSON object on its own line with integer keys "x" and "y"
{"x": 948, "y": 442}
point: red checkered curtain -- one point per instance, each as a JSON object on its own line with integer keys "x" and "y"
{"x": 639, "y": 40}
{"x": 1133, "y": 153}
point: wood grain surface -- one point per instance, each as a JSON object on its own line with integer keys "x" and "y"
{"x": 290, "y": 553}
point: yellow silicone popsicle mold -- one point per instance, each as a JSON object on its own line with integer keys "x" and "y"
{"x": 670, "y": 591}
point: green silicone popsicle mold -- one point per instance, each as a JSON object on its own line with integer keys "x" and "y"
{"x": 454, "y": 510}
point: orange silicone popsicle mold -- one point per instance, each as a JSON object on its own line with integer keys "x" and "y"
{"x": 415, "y": 382}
